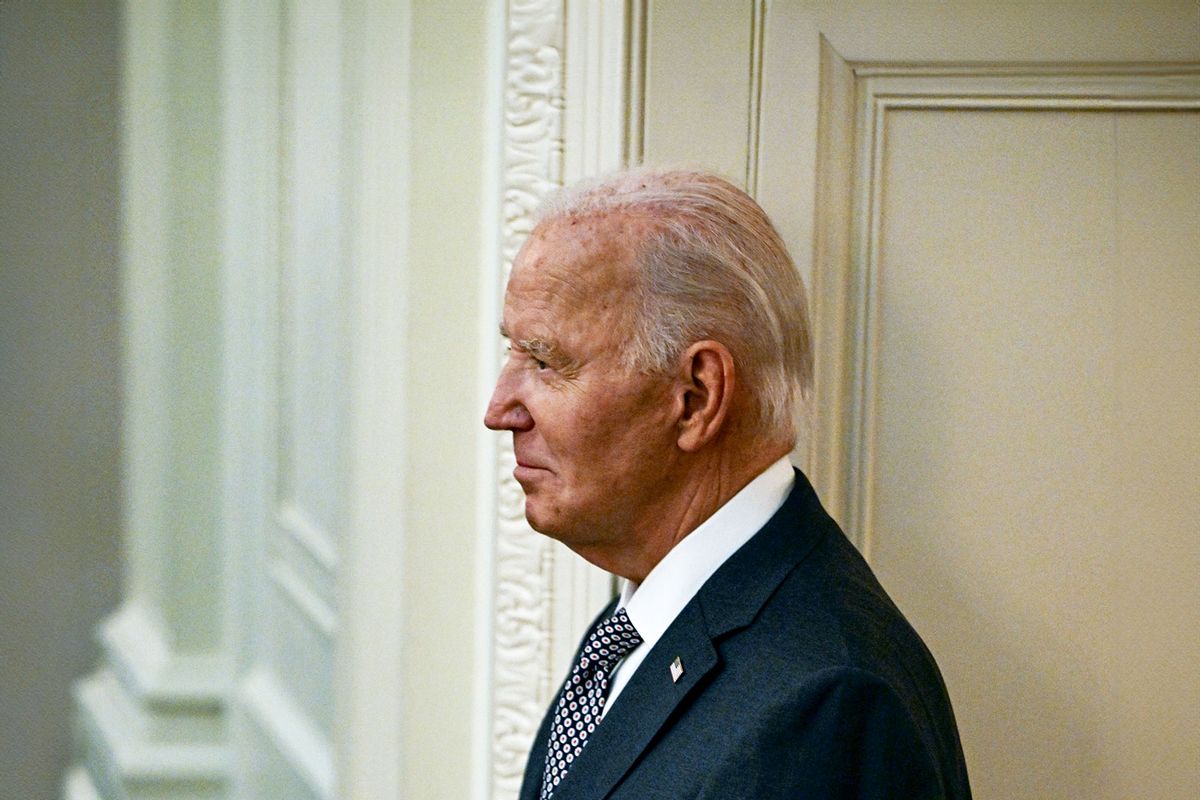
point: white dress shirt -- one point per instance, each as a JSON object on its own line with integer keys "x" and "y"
{"x": 654, "y": 604}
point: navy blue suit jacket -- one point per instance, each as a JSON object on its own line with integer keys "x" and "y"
{"x": 801, "y": 680}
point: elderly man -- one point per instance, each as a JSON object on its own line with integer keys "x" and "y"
{"x": 659, "y": 348}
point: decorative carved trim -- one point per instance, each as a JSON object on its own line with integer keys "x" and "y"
{"x": 543, "y": 595}
{"x": 523, "y": 570}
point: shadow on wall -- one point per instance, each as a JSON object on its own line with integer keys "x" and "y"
{"x": 60, "y": 493}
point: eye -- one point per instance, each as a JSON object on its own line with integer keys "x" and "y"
{"x": 540, "y": 364}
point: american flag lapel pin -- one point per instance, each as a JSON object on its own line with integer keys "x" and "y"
{"x": 676, "y": 670}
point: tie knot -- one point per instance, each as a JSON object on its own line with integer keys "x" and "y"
{"x": 610, "y": 640}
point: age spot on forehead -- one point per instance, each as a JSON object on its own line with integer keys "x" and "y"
{"x": 593, "y": 252}
{"x": 573, "y": 281}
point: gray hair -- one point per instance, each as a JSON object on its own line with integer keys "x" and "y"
{"x": 711, "y": 267}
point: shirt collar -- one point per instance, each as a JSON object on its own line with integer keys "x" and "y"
{"x": 653, "y": 605}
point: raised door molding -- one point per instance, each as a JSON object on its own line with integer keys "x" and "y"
{"x": 856, "y": 102}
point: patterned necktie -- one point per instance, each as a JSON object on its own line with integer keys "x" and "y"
{"x": 582, "y": 700}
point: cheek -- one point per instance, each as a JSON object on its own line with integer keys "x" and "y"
{"x": 628, "y": 433}
{"x": 604, "y": 428}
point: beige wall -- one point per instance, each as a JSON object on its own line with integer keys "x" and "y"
{"x": 59, "y": 378}
{"x": 1004, "y": 288}
{"x": 449, "y": 51}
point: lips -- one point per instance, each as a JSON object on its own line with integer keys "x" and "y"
{"x": 528, "y": 463}
{"x": 528, "y": 472}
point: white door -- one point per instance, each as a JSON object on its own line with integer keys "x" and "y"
{"x": 997, "y": 208}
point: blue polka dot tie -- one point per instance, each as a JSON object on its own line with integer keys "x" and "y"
{"x": 582, "y": 700}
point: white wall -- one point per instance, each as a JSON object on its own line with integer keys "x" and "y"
{"x": 59, "y": 380}
{"x": 449, "y": 131}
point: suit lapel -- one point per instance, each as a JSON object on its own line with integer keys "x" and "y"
{"x": 736, "y": 592}
{"x": 729, "y": 600}
{"x": 645, "y": 704}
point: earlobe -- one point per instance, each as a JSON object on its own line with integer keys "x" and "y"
{"x": 707, "y": 386}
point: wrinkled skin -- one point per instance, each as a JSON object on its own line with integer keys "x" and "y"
{"x": 594, "y": 441}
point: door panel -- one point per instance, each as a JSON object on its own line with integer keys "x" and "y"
{"x": 1154, "y": 651}
{"x": 998, "y": 208}
{"x": 1030, "y": 476}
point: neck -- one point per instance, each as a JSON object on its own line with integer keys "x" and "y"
{"x": 698, "y": 487}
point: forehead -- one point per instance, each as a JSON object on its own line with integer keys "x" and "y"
{"x": 582, "y": 261}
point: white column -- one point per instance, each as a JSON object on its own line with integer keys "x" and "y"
{"x": 289, "y": 457}
{"x": 152, "y": 717}
{"x": 257, "y": 654}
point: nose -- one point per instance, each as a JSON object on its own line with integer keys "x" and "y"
{"x": 505, "y": 411}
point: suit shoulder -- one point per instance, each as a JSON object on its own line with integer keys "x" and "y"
{"x": 831, "y": 603}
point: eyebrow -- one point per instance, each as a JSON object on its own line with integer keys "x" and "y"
{"x": 540, "y": 349}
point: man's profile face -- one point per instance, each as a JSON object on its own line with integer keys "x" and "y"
{"x": 593, "y": 440}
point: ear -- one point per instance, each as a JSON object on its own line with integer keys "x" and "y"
{"x": 705, "y": 393}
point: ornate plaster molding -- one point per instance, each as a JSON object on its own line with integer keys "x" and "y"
{"x": 524, "y": 561}
{"x": 564, "y": 119}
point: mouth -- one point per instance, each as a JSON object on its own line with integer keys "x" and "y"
{"x": 526, "y": 470}
{"x": 525, "y": 462}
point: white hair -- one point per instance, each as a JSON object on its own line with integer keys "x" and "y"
{"x": 711, "y": 266}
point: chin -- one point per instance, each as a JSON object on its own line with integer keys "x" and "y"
{"x": 539, "y": 522}
{"x": 546, "y": 523}
{"x": 532, "y": 516}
